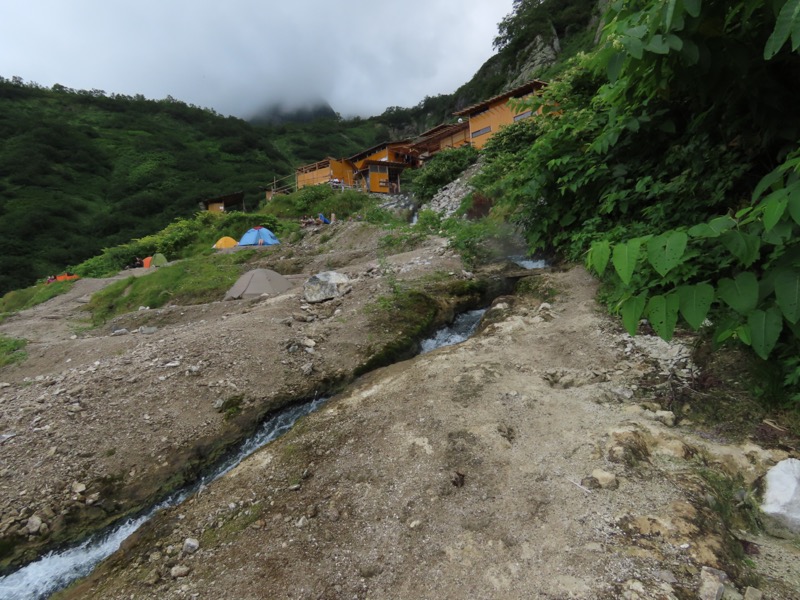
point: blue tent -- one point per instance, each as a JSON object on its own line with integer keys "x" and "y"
{"x": 258, "y": 236}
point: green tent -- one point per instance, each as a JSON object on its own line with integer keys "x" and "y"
{"x": 159, "y": 260}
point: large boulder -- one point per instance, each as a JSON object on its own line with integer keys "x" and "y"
{"x": 326, "y": 286}
{"x": 782, "y": 496}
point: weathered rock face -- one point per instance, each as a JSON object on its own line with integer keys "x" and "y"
{"x": 326, "y": 286}
{"x": 541, "y": 53}
{"x": 782, "y": 496}
{"x": 448, "y": 199}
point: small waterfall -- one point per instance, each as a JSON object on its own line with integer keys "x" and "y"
{"x": 528, "y": 263}
{"x": 462, "y": 328}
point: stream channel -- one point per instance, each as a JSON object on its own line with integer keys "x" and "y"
{"x": 56, "y": 570}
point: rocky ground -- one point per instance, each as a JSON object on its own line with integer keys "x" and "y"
{"x": 532, "y": 461}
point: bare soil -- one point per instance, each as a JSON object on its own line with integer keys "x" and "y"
{"x": 526, "y": 462}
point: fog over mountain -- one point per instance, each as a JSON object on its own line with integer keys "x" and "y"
{"x": 239, "y": 56}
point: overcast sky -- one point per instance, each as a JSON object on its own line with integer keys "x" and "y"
{"x": 236, "y": 56}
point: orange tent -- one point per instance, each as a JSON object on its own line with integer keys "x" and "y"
{"x": 67, "y": 277}
{"x": 146, "y": 262}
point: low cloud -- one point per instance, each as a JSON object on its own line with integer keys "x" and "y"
{"x": 239, "y": 56}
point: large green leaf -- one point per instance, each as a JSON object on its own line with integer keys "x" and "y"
{"x": 695, "y": 301}
{"x": 774, "y": 207}
{"x": 631, "y": 311}
{"x": 787, "y": 292}
{"x": 741, "y": 294}
{"x": 713, "y": 228}
{"x": 665, "y": 251}
{"x": 662, "y": 312}
{"x": 692, "y": 7}
{"x": 657, "y": 44}
{"x": 765, "y": 328}
{"x": 788, "y": 23}
{"x": 625, "y": 257}
{"x": 743, "y": 246}
{"x": 598, "y": 257}
{"x": 794, "y": 205}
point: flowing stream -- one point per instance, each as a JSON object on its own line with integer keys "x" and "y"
{"x": 56, "y": 570}
{"x": 528, "y": 263}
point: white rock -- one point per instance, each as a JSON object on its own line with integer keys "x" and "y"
{"x": 782, "y": 495}
{"x": 325, "y": 286}
{"x": 191, "y": 545}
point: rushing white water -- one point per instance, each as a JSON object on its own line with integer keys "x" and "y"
{"x": 463, "y": 326}
{"x": 56, "y": 570}
{"x": 528, "y": 263}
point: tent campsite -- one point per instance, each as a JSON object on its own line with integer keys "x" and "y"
{"x": 224, "y": 242}
{"x": 258, "y": 236}
{"x": 257, "y": 283}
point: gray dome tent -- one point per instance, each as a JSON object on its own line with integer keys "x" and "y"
{"x": 257, "y": 283}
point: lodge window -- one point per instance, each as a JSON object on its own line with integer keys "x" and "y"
{"x": 521, "y": 116}
{"x": 481, "y": 131}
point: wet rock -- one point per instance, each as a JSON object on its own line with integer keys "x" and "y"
{"x": 326, "y": 286}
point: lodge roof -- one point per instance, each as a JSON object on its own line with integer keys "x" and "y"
{"x": 368, "y": 151}
{"x": 517, "y": 92}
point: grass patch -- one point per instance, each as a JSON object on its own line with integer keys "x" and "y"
{"x": 11, "y": 350}
{"x": 17, "y": 300}
{"x": 192, "y": 281}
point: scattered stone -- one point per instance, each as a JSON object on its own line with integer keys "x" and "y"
{"x": 667, "y": 417}
{"x": 191, "y": 545}
{"x": 309, "y": 343}
{"x": 122, "y": 331}
{"x": 78, "y": 488}
{"x": 153, "y": 577}
{"x": 179, "y": 571}
{"x": 752, "y": 593}
{"x": 326, "y": 286}
{"x": 147, "y": 330}
{"x": 712, "y": 584}
{"x": 34, "y": 524}
{"x": 307, "y": 369}
{"x": 606, "y": 480}
{"x": 301, "y": 522}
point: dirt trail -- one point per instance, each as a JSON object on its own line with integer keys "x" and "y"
{"x": 519, "y": 464}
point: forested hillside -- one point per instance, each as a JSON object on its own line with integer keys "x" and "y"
{"x": 80, "y": 170}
